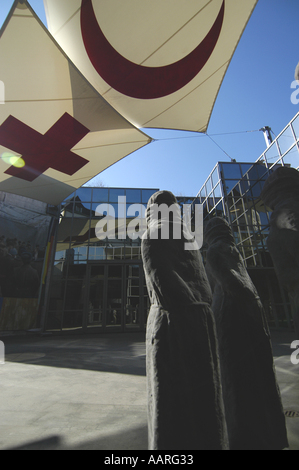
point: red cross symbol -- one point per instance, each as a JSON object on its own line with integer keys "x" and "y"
{"x": 41, "y": 152}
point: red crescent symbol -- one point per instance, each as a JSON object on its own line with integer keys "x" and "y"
{"x": 139, "y": 81}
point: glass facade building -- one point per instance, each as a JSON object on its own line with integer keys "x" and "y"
{"x": 233, "y": 191}
{"x": 98, "y": 284}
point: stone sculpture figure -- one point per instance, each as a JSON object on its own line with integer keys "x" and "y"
{"x": 253, "y": 408}
{"x": 185, "y": 407}
{"x": 281, "y": 195}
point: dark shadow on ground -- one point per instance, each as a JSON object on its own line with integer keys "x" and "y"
{"x": 132, "y": 439}
{"x": 120, "y": 353}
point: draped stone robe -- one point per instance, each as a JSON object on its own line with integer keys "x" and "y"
{"x": 254, "y": 413}
{"x": 281, "y": 195}
{"x": 185, "y": 407}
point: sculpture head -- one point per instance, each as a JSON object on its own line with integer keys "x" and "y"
{"x": 282, "y": 185}
{"x": 218, "y": 229}
{"x": 162, "y": 197}
{"x": 163, "y": 207}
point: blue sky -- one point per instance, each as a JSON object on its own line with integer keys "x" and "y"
{"x": 256, "y": 92}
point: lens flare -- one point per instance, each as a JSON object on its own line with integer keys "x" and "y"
{"x": 12, "y": 160}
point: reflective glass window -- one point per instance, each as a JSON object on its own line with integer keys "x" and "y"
{"x": 245, "y": 167}
{"x": 77, "y": 271}
{"x": 67, "y": 209}
{"x": 295, "y": 125}
{"x": 219, "y": 209}
{"x": 255, "y": 190}
{"x": 147, "y": 194}
{"x": 263, "y": 217}
{"x": 84, "y": 194}
{"x": 96, "y": 253}
{"x": 262, "y": 171}
{"x": 82, "y": 208}
{"x": 230, "y": 184}
{"x": 253, "y": 173}
{"x": 80, "y": 254}
{"x": 209, "y": 186}
{"x": 100, "y": 209}
{"x": 286, "y": 140}
{"x": 217, "y": 191}
{"x": 71, "y": 197}
{"x": 292, "y": 157}
{"x": 64, "y": 234}
{"x": 133, "y": 196}
{"x": 244, "y": 185}
{"x": 272, "y": 154}
{"x": 100, "y": 195}
{"x": 231, "y": 171}
{"x": 203, "y": 194}
{"x": 114, "y": 194}
{"x": 215, "y": 176}
{"x": 136, "y": 210}
{"x": 72, "y": 319}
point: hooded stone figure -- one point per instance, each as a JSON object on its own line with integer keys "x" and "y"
{"x": 185, "y": 407}
{"x": 254, "y": 413}
{"x": 281, "y": 195}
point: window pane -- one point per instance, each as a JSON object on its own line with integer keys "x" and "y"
{"x": 215, "y": 177}
{"x": 217, "y": 191}
{"x": 72, "y": 320}
{"x": 272, "y": 155}
{"x": 286, "y": 140}
{"x": 114, "y": 193}
{"x": 133, "y": 195}
{"x": 96, "y": 253}
{"x": 245, "y": 167}
{"x": 100, "y": 195}
{"x": 80, "y": 254}
{"x": 84, "y": 194}
{"x": 231, "y": 170}
{"x": 230, "y": 184}
{"x": 292, "y": 157}
{"x": 71, "y": 197}
{"x": 82, "y": 208}
{"x": 295, "y": 125}
{"x": 74, "y": 298}
{"x": 203, "y": 194}
{"x": 208, "y": 186}
{"x": 219, "y": 210}
{"x": 146, "y": 194}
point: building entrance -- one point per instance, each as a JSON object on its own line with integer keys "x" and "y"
{"x": 116, "y": 297}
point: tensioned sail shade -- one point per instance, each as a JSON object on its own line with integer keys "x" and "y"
{"x": 56, "y": 131}
{"x": 160, "y": 63}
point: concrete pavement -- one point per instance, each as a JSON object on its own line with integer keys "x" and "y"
{"x": 89, "y": 392}
{"x": 86, "y": 392}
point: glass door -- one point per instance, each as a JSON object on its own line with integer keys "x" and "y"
{"x": 96, "y": 297}
{"x": 133, "y": 304}
{"x": 114, "y": 305}
{"x": 116, "y": 298}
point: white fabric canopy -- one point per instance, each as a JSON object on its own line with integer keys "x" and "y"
{"x": 56, "y": 131}
{"x": 160, "y": 63}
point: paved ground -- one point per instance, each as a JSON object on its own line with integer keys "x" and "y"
{"x": 89, "y": 392}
